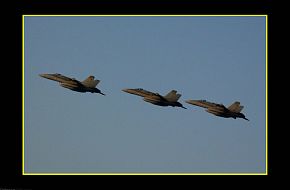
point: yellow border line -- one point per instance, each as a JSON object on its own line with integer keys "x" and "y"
{"x": 23, "y": 134}
{"x": 147, "y": 15}
{"x": 146, "y": 174}
{"x": 266, "y": 95}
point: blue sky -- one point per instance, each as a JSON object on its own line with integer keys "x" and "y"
{"x": 220, "y": 59}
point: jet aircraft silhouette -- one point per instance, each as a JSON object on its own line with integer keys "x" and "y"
{"x": 220, "y": 110}
{"x": 88, "y": 85}
{"x": 154, "y": 98}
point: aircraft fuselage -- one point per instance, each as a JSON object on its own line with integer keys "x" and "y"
{"x": 153, "y": 98}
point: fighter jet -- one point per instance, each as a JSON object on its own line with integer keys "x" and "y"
{"x": 219, "y": 109}
{"x": 88, "y": 85}
{"x": 154, "y": 98}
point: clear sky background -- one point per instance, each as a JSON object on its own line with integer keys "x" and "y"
{"x": 220, "y": 59}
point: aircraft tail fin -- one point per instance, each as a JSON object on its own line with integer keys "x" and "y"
{"x": 236, "y": 107}
{"x": 90, "y": 82}
{"x": 172, "y": 96}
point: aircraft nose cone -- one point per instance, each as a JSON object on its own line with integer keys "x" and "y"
{"x": 48, "y": 76}
{"x": 45, "y": 76}
{"x": 125, "y": 90}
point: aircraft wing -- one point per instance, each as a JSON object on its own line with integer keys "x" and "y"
{"x": 77, "y": 82}
{"x": 61, "y": 78}
{"x": 159, "y": 96}
{"x": 56, "y": 77}
{"x": 202, "y": 103}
